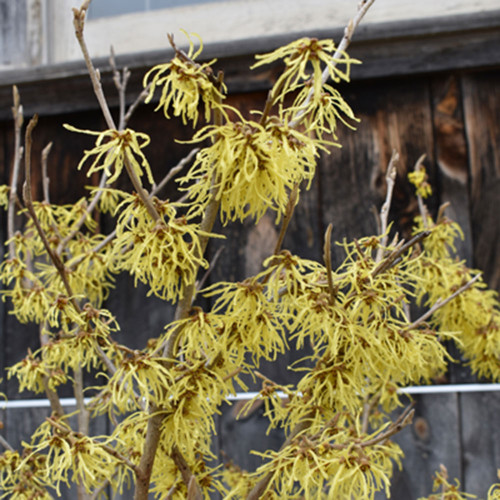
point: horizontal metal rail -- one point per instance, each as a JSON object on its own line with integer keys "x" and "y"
{"x": 239, "y": 396}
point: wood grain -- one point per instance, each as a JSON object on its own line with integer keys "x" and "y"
{"x": 482, "y": 125}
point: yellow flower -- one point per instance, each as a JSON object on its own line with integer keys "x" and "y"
{"x": 86, "y": 458}
{"x": 419, "y": 179}
{"x": 31, "y": 299}
{"x": 33, "y": 372}
{"x": 253, "y": 168}
{"x": 251, "y": 322}
{"x": 165, "y": 254}
{"x": 185, "y": 84}
{"x": 4, "y": 196}
{"x": 474, "y": 314}
{"x": 339, "y": 460}
{"x": 109, "y": 198}
{"x": 447, "y": 491}
{"x": 113, "y": 148}
{"x": 301, "y": 54}
{"x": 22, "y": 478}
{"x": 321, "y": 115}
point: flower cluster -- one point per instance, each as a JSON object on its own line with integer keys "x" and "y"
{"x": 250, "y": 168}
{"x": 338, "y": 462}
{"x": 184, "y": 85}
{"x": 419, "y": 179}
{"x": 115, "y": 149}
{"x": 21, "y": 477}
{"x": 71, "y": 456}
{"x": 164, "y": 254}
{"x": 446, "y": 490}
{"x": 474, "y": 313}
{"x": 302, "y": 54}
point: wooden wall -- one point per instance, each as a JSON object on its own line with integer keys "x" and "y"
{"x": 452, "y": 117}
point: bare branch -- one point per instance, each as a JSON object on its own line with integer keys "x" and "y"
{"x": 213, "y": 262}
{"x": 402, "y": 421}
{"x": 17, "y": 113}
{"x": 327, "y": 257}
{"x": 5, "y": 443}
{"x": 441, "y": 303}
{"x": 52, "y": 396}
{"x": 64, "y": 241}
{"x": 390, "y": 178}
{"x": 400, "y": 249}
{"x": 79, "y": 24}
{"x": 139, "y": 100}
{"x": 290, "y": 207}
{"x": 194, "y": 491}
{"x": 45, "y": 176}
{"x": 120, "y": 81}
{"x": 174, "y": 171}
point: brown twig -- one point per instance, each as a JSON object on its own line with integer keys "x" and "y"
{"x": 28, "y": 200}
{"x": 153, "y": 429}
{"x": 54, "y": 257}
{"x": 120, "y": 81}
{"x": 174, "y": 171}
{"x": 145, "y": 468}
{"x": 52, "y": 396}
{"x": 5, "y": 444}
{"x": 401, "y": 422}
{"x": 194, "y": 491}
{"x": 400, "y": 249}
{"x": 287, "y": 217}
{"x": 363, "y": 7}
{"x": 327, "y": 257}
{"x": 83, "y": 414}
{"x": 45, "y": 176}
{"x": 211, "y": 267}
{"x": 441, "y": 303}
{"x": 257, "y": 491}
{"x": 79, "y": 23}
{"x": 370, "y": 403}
{"x": 390, "y": 178}
{"x": 143, "y": 194}
{"x": 17, "y": 113}
{"x": 139, "y": 99}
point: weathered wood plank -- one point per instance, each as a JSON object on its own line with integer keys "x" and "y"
{"x": 482, "y": 119}
{"x": 481, "y": 441}
{"x": 452, "y": 179}
{"x": 451, "y": 157}
{"x": 393, "y": 115}
{"x": 481, "y": 99}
